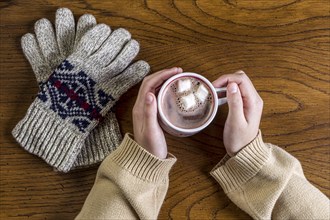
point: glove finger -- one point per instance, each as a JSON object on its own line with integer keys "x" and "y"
{"x": 111, "y": 47}
{"x": 92, "y": 40}
{"x": 124, "y": 58}
{"x": 33, "y": 54}
{"x": 65, "y": 31}
{"x": 85, "y": 23}
{"x": 47, "y": 42}
{"x": 130, "y": 77}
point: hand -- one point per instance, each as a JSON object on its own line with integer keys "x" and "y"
{"x": 245, "y": 109}
{"x": 147, "y": 131}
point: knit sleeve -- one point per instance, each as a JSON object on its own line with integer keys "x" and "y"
{"x": 131, "y": 183}
{"x": 268, "y": 183}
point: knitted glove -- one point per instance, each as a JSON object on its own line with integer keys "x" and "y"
{"x": 78, "y": 94}
{"x": 47, "y": 51}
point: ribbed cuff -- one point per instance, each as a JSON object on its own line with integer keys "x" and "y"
{"x": 142, "y": 164}
{"x": 43, "y": 133}
{"x": 103, "y": 140}
{"x": 232, "y": 172}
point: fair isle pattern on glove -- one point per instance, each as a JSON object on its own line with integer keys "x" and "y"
{"x": 74, "y": 96}
{"x": 46, "y": 49}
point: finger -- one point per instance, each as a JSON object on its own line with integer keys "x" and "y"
{"x": 47, "y": 42}
{"x": 124, "y": 58}
{"x": 248, "y": 92}
{"x": 85, "y": 23}
{"x": 33, "y": 54}
{"x": 235, "y": 104}
{"x": 240, "y": 78}
{"x": 150, "y": 121}
{"x": 65, "y": 31}
{"x": 113, "y": 46}
{"x": 153, "y": 81}
{"x": 130, "y": 77}
{"x": 92, "y": 40}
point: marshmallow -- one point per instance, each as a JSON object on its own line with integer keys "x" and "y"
{"x": 202, "y": 93}
{"x": 188, "y": 101}
{"x": 184, "y": 85}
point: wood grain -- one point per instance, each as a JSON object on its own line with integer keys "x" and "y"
{"x": 282, "y": 45}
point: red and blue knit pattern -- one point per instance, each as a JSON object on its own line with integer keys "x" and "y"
{"x": 74, "y": 94}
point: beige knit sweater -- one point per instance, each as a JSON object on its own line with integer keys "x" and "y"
{"x": 262, "y": 179}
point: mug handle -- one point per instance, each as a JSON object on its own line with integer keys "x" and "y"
{"x": 221, "y": 101}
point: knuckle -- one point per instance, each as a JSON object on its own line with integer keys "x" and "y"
{"x": 241, "y": 76}
{"x": 135, "y": 111}
{"x": 244, "y": 76}
{"x": 259, "y": 102}
{"x": 146, "y": 80}
{"x": 241, "y": 73}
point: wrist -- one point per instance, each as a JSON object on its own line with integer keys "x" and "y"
{"x": 234, "y": 150}
{"x": 156, "y": 147}
{"x": 232, "y": 172}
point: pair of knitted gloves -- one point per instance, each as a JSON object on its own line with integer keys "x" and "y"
{"x": 82, "y": 71}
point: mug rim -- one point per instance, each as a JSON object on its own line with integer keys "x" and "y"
{"x": 187, "y": 130}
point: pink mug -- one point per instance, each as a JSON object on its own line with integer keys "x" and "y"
{"x": 184, "y": 132}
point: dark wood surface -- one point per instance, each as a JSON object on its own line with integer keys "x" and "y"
{"x": 282, "y": 45}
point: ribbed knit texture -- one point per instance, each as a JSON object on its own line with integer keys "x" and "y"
{"x": 247, "y": 163}
{"x": 42, "y": 133}
{"x": 135, "y": 159}
{"x": 48, "y": 48}
{"x": 265, "y": 181}
{"x": 131, "y": 183}
{"x": 268, "y": 183}
{"x": 104, "y": 139}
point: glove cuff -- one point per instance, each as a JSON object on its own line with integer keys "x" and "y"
{"x": 104, "y": 139}
{"x": 43, "y": 133}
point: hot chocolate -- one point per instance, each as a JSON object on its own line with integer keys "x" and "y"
{"x": 187, "y": 102}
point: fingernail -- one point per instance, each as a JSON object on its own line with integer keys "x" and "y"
{"x": 233, "y": 88}
{"x": 149, "y": 98}
{"x": 180, "y": 70}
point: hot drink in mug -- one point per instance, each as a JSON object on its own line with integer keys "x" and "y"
{"x": 187, "y": 103}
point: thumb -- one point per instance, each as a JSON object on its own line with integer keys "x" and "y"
{"x": 235, "y": 103}
{"x": 150, "y": 111}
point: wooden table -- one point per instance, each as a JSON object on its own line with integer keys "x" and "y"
{"x": 282, "y": 45}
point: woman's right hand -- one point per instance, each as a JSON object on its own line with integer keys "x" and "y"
{"x": 147, "y": 131}
{"x": 245, "y": 109}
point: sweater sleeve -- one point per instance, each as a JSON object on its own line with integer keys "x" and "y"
{"x": 268, "y": 183}
{"x": 131, "y": 183}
